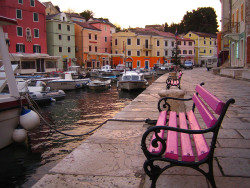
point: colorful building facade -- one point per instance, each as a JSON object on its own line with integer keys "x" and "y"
{"x": 205, "y": 47}
{"x": 27, "y": 41}
{"x": 186, "y": 49}
{"x": 61, "y": 39}
{"x": 142, "y": 48}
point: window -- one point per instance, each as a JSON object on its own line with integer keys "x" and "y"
{"x": 60, "y": 37}
{"x": 106, "y": 50}
{"x": 172, "y": 44}
{"x": 50, "y": 64}
{"x": 138, "y": 63}
{"x": 116, "y": 42}
{"x": 36, "y": 48}
{"x": 116, "y": 52}
{"x": 190, "y": 35}
{"x": 68, "y": 27}
{"x": 242, "y": 12}
{"x": 89, "y": 35}
{"x": 90, "y": 48}
{"x": 60, "y": 49}
{"x": 204, "y": 41}
{"x": 178, "y": 42}
{"x": 138, "y": 53}
{"x": 20, "y": 1}
{"x": 95, "y": 48}
{"x": 20, "y": 48}
{"x": 35, "y": 17}
{"x": 36, "y": 33}
{"x": 138, "y": 42}
{"x": 158, "y": 53}
{"x": 158, "y": 43}
{"x": 18, "y": 14}
{"x": 178, "y": 51}
{"x": 166, "y": 53}
{"x": 190, "y": 52}
{"x": 19, "y": 31}
{"x": 128, "y": 41}
{"x": 204, "y": 51}
{"x": 32, "y": 3}
{"x": 190, "y": 43}
{"x": 166, "y": 43}
{"x": 146, "y": 53}
{"x": 69, "y": 49}
{"x": 184, "y": 43}
{"x": 95, "y": 37}
{"x": 129, "y": 52}
{"x": 184, "y": 51}
{"x": 28, "y": 65}
{"x": 59, "y": 26}
{"x": 68, "y": 38}
{"x": 105, "y": 39}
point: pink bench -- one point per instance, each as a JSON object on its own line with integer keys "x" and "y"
{"x": 174, "y": 81}
{"x": 193, "y": 149}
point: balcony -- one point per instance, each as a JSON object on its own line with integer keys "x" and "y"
{"x": 147, "y": 47}
{"x": 231, "y": 27}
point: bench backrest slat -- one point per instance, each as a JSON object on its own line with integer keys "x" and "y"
{"x": 207, "y": 116}
{"x": 200, "y": 142}
{"x": 215, "y": 103}
{"x": 186, "y": 145}
{"x": 172, "y": 139}
{"x": 161, "y": 121}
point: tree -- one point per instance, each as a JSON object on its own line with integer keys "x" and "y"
{"x": 176, "y": 58}
{"x": 87, "y": 14}
{"x": 200, "y": 20}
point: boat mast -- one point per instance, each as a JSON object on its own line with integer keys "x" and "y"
{"x": 7, "y": 66}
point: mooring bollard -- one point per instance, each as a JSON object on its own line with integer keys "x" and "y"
{"x": 177, "y": 106}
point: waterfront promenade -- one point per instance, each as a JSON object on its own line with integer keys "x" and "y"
{"x": 112, "y": 156}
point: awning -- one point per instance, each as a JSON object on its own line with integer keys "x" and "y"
{"x": 21, "y": 56}
{"x": 232, "y": 36}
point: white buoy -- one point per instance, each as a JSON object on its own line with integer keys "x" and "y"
{"x": 29, "y": 119}
{"x": 19, "y": 135}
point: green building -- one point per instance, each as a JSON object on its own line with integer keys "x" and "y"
{"x": 61, "y": 39}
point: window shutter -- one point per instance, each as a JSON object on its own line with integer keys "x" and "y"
{"x": 17, "y": 48}
{"x": 23, "y": 48}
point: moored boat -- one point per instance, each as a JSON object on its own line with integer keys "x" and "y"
{"x": 99, "y": 85}
{"x": 132, "y": 80}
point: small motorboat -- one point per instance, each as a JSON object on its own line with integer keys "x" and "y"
{"x": 99, "y": 85}
{"x": 132, "y": 80}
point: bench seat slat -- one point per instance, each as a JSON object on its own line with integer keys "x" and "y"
{"x": 172, "y": 142}
{"x": 215, "y": 103}
{"x": 207, "y": 116}
{"x": 186, "y": 146}
{"x": 199, "y": 139}
{"x": 161, "y": 121}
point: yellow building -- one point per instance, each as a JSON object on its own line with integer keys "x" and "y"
{"x": 142, "y": 48}
{"x": 205, "y": 47}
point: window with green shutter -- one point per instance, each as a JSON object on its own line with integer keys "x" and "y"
{"x": 32, "y": 3}
{"x": 19, "y": 31}
{"x": 35, "y": 17}
{"x": 36, "y": 33}
{"x": 19, "y": 14}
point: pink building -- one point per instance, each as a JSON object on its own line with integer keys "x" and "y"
{"x": 27, "y": 41}
{"x": 186, "y": 49}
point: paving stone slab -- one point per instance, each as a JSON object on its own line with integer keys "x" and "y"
{"x": 232, "y": 152}
{"x": 245, "y": 133}
{"x": 232, "y": 182}
{"x": 102, "y": 160}
{"x": 235, "y": 166}
{"x": 234, "y": 143}
{"x": 178, "y": 181}
{"x": 77, "y": 181}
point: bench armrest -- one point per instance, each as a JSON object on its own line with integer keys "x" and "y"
{"x": 165, "y": 104}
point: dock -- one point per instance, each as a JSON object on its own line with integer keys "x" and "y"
{"x": 112, "y": 156}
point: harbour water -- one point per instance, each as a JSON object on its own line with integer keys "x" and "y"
{"x": 22, "y": 165}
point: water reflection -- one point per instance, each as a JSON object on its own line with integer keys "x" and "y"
{"x": 81, "y": 111}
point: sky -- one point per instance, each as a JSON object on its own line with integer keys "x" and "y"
{"x": 138, "y": 13}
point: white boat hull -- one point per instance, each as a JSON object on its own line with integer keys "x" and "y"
{"x": 9, "y": 120}
{"x": 67, "y": 84}
{"x": 132, "y": 85}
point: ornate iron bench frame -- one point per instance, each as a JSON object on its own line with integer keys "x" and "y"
{"x": 161, "y": 149}
{"x": 174, "y": 81}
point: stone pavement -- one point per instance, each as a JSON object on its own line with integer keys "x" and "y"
{"x": 112, "y": 156}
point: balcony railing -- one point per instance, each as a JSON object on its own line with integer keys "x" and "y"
{"x": 231, "y": 27}
{"x": 147, "y": 47}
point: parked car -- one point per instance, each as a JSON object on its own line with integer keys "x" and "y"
{"x": 188, "y": 65}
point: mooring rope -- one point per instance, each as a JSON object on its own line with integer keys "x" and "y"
{"x": 32, "y": 103}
